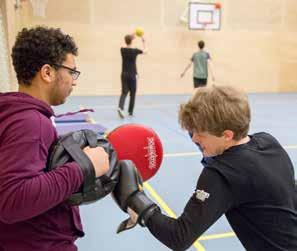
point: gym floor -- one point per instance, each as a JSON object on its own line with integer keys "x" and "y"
{"x": 175, "y": 182}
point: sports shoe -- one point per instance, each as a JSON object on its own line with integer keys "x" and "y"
{"x": 121, "y": 113}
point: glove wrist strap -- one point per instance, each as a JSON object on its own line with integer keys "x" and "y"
{"x": 147, "y": 215}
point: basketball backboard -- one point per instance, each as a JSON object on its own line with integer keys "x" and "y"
{"x": 202, "y": 16}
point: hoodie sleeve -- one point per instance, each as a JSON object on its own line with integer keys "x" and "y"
{"x": 25, "y": 189}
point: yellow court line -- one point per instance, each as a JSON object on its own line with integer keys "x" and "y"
{"x": 165, "y": 207}
{"x": 92, "y": 121}
{"x": 184, "y": 154}
{"x": 160, "y": 201}
{"x": 216, "y": 236}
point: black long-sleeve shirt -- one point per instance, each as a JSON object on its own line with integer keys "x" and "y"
{"x": 253, "y": 185}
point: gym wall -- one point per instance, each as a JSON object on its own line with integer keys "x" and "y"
{"x": 254, "y": 50}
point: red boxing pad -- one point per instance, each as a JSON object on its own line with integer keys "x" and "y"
{"x": 141, "y": 145}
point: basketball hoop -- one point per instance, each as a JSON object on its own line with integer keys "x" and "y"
{"x": 206, "y": 25}
{"x": 39, "y": 7}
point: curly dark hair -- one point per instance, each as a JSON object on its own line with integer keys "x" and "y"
{"x": 38, "y": 46}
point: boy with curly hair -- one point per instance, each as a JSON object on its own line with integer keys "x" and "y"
{"x": 33, "y": 211}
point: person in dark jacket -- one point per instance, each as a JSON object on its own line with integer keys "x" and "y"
{"x": 33, "y": 213}
{"x": 129, "y": 74}
{"x": 247, "y": 178}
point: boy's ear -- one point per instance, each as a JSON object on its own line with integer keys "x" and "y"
{"x": 47, "y": 73}
{"x": 228, "y": 135}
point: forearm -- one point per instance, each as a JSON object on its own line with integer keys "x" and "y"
{"x": 144, "y": 47}
{"x": 176, "y": 234}
{"x": 198, "y": 215}
{"x": 187, "y": 68}
{"x": 26, "y": 198}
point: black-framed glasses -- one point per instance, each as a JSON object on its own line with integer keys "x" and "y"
{"x": 74, "y": 73}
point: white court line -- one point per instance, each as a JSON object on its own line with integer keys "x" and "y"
{"x": 291, "y": 147}
{"x": 166, "y": 155}
{"x": 148, "y": 106}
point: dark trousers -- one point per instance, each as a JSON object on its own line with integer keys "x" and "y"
{"x": 128, "y": 86}
{"x": 199, "y": 82}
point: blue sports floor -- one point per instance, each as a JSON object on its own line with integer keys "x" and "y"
{"x": 172, "y": 186}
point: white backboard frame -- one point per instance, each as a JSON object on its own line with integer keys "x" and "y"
{"x": 201, "y": 13}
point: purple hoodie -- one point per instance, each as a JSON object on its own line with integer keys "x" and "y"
{"x": 33, "y": 214}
